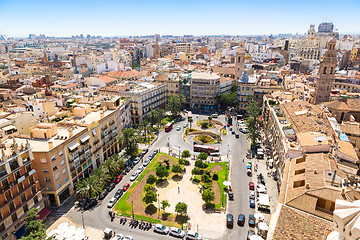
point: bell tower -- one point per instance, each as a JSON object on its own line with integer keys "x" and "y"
{"x": 326, "y": 73}
{"x": 239, "y": 64}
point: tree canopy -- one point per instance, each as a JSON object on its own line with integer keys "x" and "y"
{"x": 174, "y": 104}
{"x": 150, "y": 197}
{"x": 129, "y": 139}
{"x": 208, "y": 196}
{"x": 162, "y": 172}
{"x": 34, "y": 228}
{"x": 181, "y": 208}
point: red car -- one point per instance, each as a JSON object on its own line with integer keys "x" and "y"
{"x": 118, "y": 178}
{"x": 251, "y": 186}
{"x": 126, "y": 187}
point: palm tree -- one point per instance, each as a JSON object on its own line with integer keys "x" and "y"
{"x": 110, "y": 166}
{"x": 210, "y": 118}
{"x": 153, "y": 117}
{"x": 103, "y": 177}
{"x": 89, "y": 187}
{"x": 129, "y": 139}
{"x": 190, "y": 120}
{"x": 144, "y": 126}
{"x": 253, "y": 135}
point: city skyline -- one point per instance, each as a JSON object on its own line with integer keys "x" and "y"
{"x": 198, "y": 18}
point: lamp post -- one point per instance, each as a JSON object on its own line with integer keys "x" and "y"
{"x": 158, "y": 206}
{"x": 179, "y": 152}
{"x": 132, "y": 211}
{"x": 228, "y": 152}
{"x": 168, "y": 143}
{"x": 82, "y": 218}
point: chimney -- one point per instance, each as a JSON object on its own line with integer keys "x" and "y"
{"x": 51, "y": 144}
{"x": 71, "y": 133}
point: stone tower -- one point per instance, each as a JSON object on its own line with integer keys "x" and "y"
{"x": 239, "y": 64}
{"x": 156, "y": 50}
{"x": 326, "y": 73}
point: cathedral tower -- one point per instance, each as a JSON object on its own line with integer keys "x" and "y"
{"x": 239, "y": 64}
{"x": 326, "y": 73}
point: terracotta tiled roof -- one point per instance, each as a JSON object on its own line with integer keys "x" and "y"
{"x": 123, "y": 73}
{"x": 224, "y": 70}
{"x": 350, "y": 128}
{"x": 107, "y": 79}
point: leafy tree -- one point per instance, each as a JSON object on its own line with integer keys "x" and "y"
{"x": 162, "y": 172}
{"x": 228, "y": 100}
{"x": 34, "y": 228}
{"x": 147, "y": 187}
{"x": 208, "y": 196}
{"x": 181, "y": 208}
{"x": 129, "y": 139}
{"x": 151, "y": 179}
{"x": 145, "y": 127}
{"x": 196, "y": 171}
{"x": 185, "y": 154}
{"x": 177, "y": 168}
{"x": 205, "y": 178}
{"x": 190, "y": 120}
{"x": 200, "y": 164}
{"x": 153, "y": 117}
{"x": 164, "y": 204}
{"x": 202, "y": 138}
{"x": 204, "y": 124}
{"x": 174, "y": 104}
{"x": 167, "y": 162}
{"x": 202, "y": 156}
{"x": 210, "y": 118}
{"x": 150, "y": 197}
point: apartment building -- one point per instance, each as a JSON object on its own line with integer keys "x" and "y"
{"x": 182, "y": 47}
{"x": 204, "y": 90}
{"x": 20, "y": 188}
{"x": 246, "y": 87}
{"x": 172, "y": 82}
{"x": 144, "y": 97}
{"x": 69, "y": 150}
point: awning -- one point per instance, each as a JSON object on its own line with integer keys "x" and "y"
{"x": 43, "y": 213}
{"x": 73, "y": 146}
{"x": 85, "y": 138}
{"x": 8, "y": 128}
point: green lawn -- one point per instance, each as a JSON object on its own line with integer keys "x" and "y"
{"x": 222, "y": 176}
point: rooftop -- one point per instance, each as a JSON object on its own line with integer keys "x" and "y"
{"x": 204, "y": 76}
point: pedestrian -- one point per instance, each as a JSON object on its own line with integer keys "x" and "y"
{"x": 114, "y": 232}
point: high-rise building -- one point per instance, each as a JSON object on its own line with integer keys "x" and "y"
{"x": 326, "y": 74}
{"x": 326, "y": 27}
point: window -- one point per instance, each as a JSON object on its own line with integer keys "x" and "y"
{"x": 45, "y": 170}
{"x": 55, "y": 168}
{"x": 57, "y": 176}
{"x": 299, "y": 183}
{"x": 300, "y": 160}
{"x": 58, "y": 186}
{"x": 49, "y": 188}
{"x": 65, "y": 180}
{"x": 301, "y": 171}
{"x": 64, "y": 171}
{"x": 46, "y": 179}
{"x": 53, "y": 158}
{"x": 43, "y": 160}
{"x": 61, "y": 152}
{"x": 62, "y": 162}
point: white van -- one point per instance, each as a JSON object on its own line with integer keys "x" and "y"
{"x": 215, "y": 115}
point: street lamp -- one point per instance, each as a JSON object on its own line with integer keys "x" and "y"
{"x": 82, "y": 218}
{"x": 132, "y": 211}
{"x": 228, "y": 152}
{"x": 158, "y": 206}
{"x": 179, "y": 152}
{"x": 168, "y": 143}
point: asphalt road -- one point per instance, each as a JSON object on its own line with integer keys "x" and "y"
{"x": 98, "y": 217}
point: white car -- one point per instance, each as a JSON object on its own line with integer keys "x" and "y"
{"x": 146, "y": 162}
{"x": 134, "y": 176}
{"x": 118, "y": 237}
{"x": 252, "y": 195}
{"x": 178, "y": 128}
{"x": 192, "y": 235}
{"x": 111, "y": 202}
{"x": 128, "y": 238}
{"x": 139, "y": 170}
{"x": 185, "y": 125}
{"x": 159, "y": 228}
{"x": 176, "y": 232}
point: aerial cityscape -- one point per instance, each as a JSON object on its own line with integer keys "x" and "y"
{"x": 193, "y": 120}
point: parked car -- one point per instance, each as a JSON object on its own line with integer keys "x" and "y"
{"x": 241, "y": 220}
{"x": 155, "y": 152}
{"x": 237, "y": 135}
{"x": 251, "y": 220}
{"x": 191, "y": 235}
{"x": 252, "y": 203}
{"x": 159, "y": 228}
{"x": 185, "y": 125}
{"x": 233, "y": 132}
{"x": 178, "y": 128}
{"x": 126, "y": 187}
{"x": 118, "y": 193}
{"x": 136, "y": 160}
{"x": 134, "y": 176}
{"x": 176, "y": 232}
{"x": 111, "y": 202}
{"x": 103, "y": 194}
{"x": 249, "y": 234}
{"x": 128, "y": 238}
{"x": 252, "y": 195}
{"x": 110, "y": 187}
{"x": 196, "y": 143}
{"x": 146, "y": 162}
{"x": 145, "y": 150}
{"x": 251, "y": 186}
{"x": 89, "y": 204}
{"x": 248, "y": 172}
{"x": 127, "y": 169}
{"x": 151, "y": 156}
{"x": 118, "y": 179}
{"x": 118, "y": 237}
{"x": 229, "y": 220}
{"x": 140, "y": 169}
{"x": 248, "y": 167}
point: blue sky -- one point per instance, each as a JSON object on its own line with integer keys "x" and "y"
{"x": 197, "y": 17}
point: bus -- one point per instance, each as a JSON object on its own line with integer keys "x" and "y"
{"x": 169, "y": 126}
{"x": 206, "y": 149}
{"x": 189, "y": 115}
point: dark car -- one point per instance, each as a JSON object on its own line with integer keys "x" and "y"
{"x": 251, "y": 220}
{"x": 103, "y": 194}
{"x": 89, "y": 204}
{"x": 145, "y": 150}
{"x": 155, "y": 152}
{"x": 110, "y": 187}
{"x": 118, "y": 193}
{"x": 127, "y": 169}
{"x": 241, "y": 220}
{"x": 252, "y": 203}
{"x": 118, "y": 179}
{"x": 237, "y": 135}
{"x": 250, "y": 233}
{"x": 233, "y": 132}
{"x": 229, "y": 220}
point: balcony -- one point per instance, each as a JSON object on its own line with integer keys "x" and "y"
{"x": 24, "y": 189}
{"x": 14, "y": 165}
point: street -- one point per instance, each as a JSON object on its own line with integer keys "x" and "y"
{"x": 235, "y": 148}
